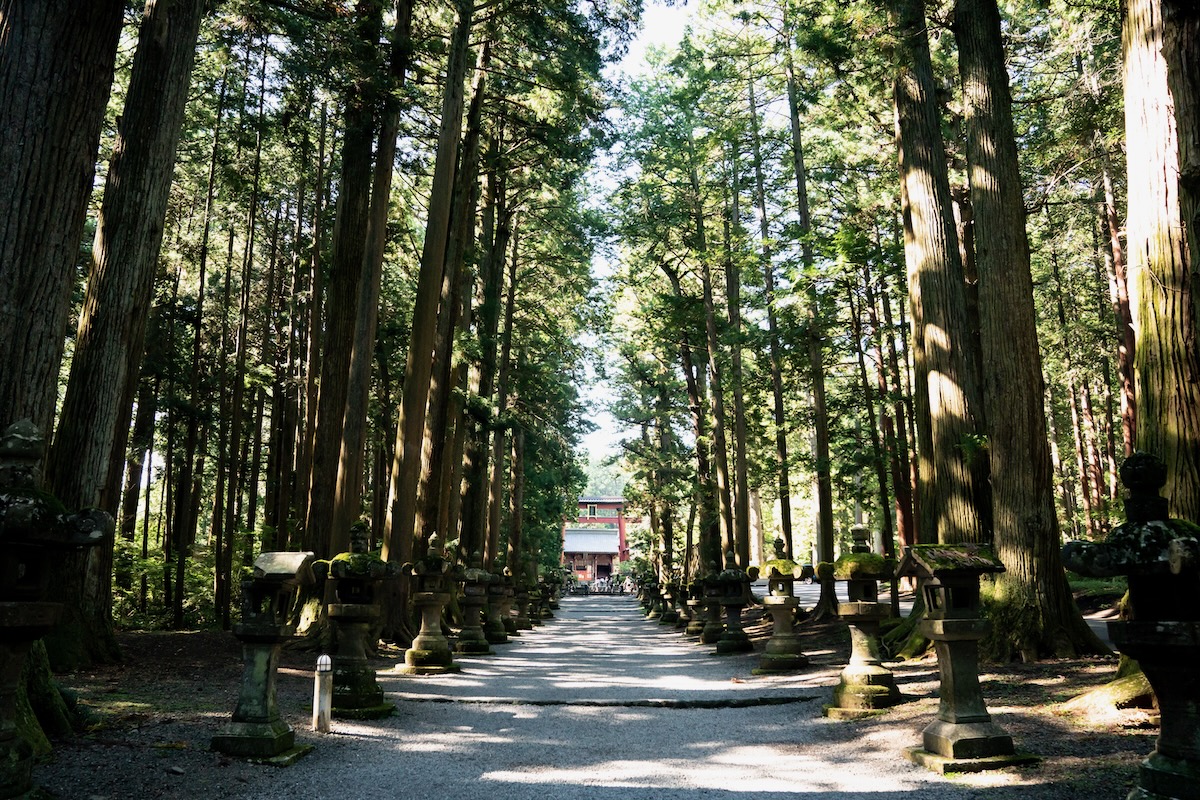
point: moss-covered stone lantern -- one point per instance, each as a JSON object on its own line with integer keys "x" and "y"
{"x": 713, "y": 591}
{"x": 434, "y": 579}
{"x": 783, "y": 652}
{"x": 355, "y": 577}
{"x": 472, "y": 640}
{"x": 498, "y": 605}
{"x": 257, "y": 730}
{"x": 35, "y": 529}
{"x": 733, "y": 583}
{"x": 695, "y": 607}
{"x": 865, "y": 687}
{"x": 963, "y": 738}
{"x": 1161, "y": 558}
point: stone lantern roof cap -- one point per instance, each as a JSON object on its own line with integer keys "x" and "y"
{"x": 944, "y": 560}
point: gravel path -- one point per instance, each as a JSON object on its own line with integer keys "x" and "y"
{"x": 597, "y": 704}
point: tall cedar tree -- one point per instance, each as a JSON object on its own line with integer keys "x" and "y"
{"x": 946, "y": 390}
{"x": 1032, "y": 596}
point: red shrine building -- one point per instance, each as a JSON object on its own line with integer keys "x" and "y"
{"x": 594, "y": 543}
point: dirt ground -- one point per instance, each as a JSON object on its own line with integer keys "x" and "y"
{"x": 153, "y": 715}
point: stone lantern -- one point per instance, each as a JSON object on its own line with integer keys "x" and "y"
{"x": 257, "y": 731}
{"x": 434, "y": 578}
{"x": 508, "y": 603}
{"x": 783, "y": 652}
{"x": 695, "y": 607}
{"x": 476, "y": 583}
{"x": 498, "y": 606}
{"x": 356, "y": 577}
{"x": 669, "y": 614}
{"x": 711, "y": 591}
{"x": 34, "y": 530}
{"x": 734, "y": 586}
{"x": 1161, "y": 557}
{"x": 865, "y": 687}
{"x": 963, "y": 738}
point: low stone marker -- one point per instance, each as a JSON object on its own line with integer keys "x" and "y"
{"x": 257, "y": 731}
{"x": 963, "y": 738}
{"x": 1161, "y": 557}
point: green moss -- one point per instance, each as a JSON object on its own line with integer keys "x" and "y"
{"x": 862, "y": 566}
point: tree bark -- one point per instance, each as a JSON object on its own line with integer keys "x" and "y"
{"x": 1160, "y": 126}
{"x": 344, "y": 287}
{"x": 1031, "y": 597}
{"x": 410, "y": 428}
{"x": 946, "y": 391}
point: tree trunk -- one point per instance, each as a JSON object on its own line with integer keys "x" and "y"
{"x": 733, "y": 307}
{"x": 1032, "y": 609}
{"x": 946, "y": 391}
{"x": 716, "y": 391}
{"x": 410, "y": 427}
{"x": 56, "y": 67}
{"x": 344, "y": 288}
{"x": 1160, "y": 125}
{"x": 347, "y": 500}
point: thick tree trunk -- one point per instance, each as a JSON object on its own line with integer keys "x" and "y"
{"x": 347, "y": 500}
{"x": 733, "y": 309}
{"x": 410, "y": 428}
{"x": 946, "y": 391}
{"x": 716, "y": 384}
{"x": 344, "y": 288}
{"x": 1032, "y": 609}
{"x": 56, "y": 67}
{"x": 1160, "y": 125}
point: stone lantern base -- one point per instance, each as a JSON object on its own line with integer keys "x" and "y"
{"x": 430, "y": 652}
{"x": 734, "y": 639}
{"x": 695, "y": 622}
{"x": 866, "y": 687}
{"x": 783, "y": 652}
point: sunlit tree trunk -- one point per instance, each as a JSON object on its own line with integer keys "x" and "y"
{"x": 410, "y": 427}
{"x": 1031, "y": 597}
{"x": 1160, "y": 125}
{"x": 946, "y": 391}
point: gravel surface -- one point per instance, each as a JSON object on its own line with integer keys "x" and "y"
{"x": 597, "y": 704}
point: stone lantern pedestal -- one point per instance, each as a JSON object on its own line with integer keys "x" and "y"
{"x": 670, "y": 614}
{"x": 713, "y": 626}
{"x": 734, "y": 585}
{"x": 493, "y": 629}
{"x": 865, "y": 687}
{"x": 434, "y": 579}
{"x": 257, "y": 731}
{"x": 508, "y": 606}
{"x": 783, "y": 652}
{"x": 1161, "y": 557}
{"x": 523, "y": 620}
{"x": 963, "y": 738}
{"x": 354, "y": 578}
{"x": 21, "y": 624}
{"x": 472, "y": 640}
{"x": 34, "y": 529}
{"x": 430, "y": 651}
{"x": 654, "y": 594}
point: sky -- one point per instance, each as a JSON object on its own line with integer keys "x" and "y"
{"x": 663, "y": 27}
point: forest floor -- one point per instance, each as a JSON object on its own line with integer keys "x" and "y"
{"x": 148, "y": 721}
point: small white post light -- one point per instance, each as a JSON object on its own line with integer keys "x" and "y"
{"x": 323, "y": 695}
